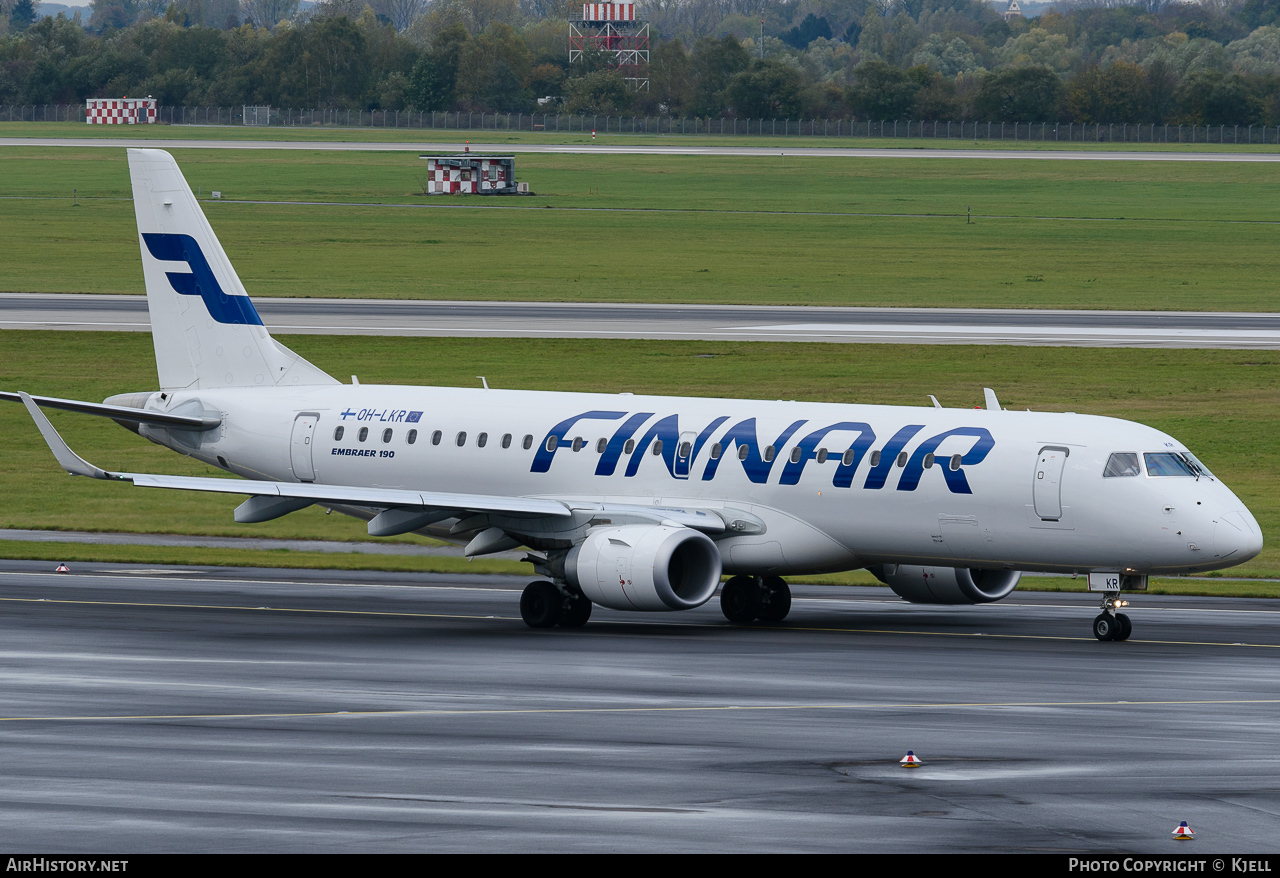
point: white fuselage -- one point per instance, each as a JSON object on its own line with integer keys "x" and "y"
{"x": 955, "y": 487}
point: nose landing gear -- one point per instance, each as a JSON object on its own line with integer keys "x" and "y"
{"x": 1110, "y": 625}
{"x": 745, "y": 599}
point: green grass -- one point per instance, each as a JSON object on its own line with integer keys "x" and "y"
{"x": 776, "y": 230}
{"x": 578, "y": 138}
{"x": 1224, "y": 404}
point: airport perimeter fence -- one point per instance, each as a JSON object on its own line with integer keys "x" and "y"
{"x": 1037, "y": 132}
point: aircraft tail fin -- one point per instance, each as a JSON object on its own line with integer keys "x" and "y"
{"x": 205, "y": 329}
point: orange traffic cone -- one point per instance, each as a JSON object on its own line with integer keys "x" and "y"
{"x": 911, "y": 760}
{"x": 1184, "y": 832}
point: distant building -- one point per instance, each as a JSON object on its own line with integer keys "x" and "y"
{"x": 1014, "y": 10}
{"x": 120, "y": 111}
{"x": 472, "y": 174}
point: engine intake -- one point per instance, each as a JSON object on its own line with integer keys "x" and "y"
{"x": 645, "y": 567}
{"x": 947, "y": 585}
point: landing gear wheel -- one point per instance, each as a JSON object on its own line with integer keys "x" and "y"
{"x": 540, "y": 604}
{"x": 740, "y": 600}
{"x": 1106, "y": 627}
{"x": 577, "y": 614}
{"x": 776, "y": 599}
{"x": 1126, "y": 626}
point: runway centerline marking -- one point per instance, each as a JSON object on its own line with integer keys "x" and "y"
{"x": 704, "y": 708}
{"x": 615, "y": 622}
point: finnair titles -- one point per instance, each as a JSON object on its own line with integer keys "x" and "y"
{"x": 643, "y": 503}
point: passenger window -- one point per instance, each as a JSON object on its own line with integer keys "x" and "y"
{"x": 955, "y": 462}
{"x": 363, "y": 434}
{"x": 657, "y": 447}
{"x": 462, "y": 439}
{"x": 847, "y": 459}
{"x": 769, "y": 453}
{"x": 795, "y": 454}
{"x": 506, "y": 440}
{"x": 578, "y": 442}
{"x": 875, "y": 457}
{"x": 1121, "y": 465}
{"x": 743, "y": 451}
{"x": 630, "y": 446}
{"x": 386, "y": 435}
{"x": 685, "y": 448}
{"x": 337, "y": 433}
{"x": 552, "y": 442}
{"x": 412, "y": 437}
{"x": 822, "y": 455}
{"x": 436, "y": 437}
{"x": 601, "y": 445}
{"x": 902, "y": 458}
{"x": 928, "y": 461}
{"x": 528, "y": 441}
{"x": 482, "y": 440}
{"x": 1166, "y": 463}
{"x": 716, "y": 451}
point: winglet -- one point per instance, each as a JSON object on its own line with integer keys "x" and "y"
{"x": 68, "y": 459}
{"x": 993, "y": 404}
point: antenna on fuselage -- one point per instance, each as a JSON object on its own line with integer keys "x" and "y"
{"x": 993, "y": 404}
{"x": 936, "y": 404}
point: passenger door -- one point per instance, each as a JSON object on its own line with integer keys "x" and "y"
{"x": 1047, "y": 487}
{"x": 301, "y": 445}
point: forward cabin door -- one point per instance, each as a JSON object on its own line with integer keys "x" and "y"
{"x": 301, "y": 446}
{"x": 1047, "y": 487}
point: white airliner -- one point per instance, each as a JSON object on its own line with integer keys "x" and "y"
{"x": 641, "y": 502}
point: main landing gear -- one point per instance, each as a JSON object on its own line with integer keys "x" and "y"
{"x": 744, "y": 599}
{"x": 1110, "y": 625}
{"x": 542, "y": 605}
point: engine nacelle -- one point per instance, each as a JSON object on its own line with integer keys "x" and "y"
{"x": 947, "y": 585}
{"x": 645, "y": 567}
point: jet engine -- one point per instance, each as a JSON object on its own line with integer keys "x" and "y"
{"x": 947, "y": 585}
{"x": 645, "y": 567}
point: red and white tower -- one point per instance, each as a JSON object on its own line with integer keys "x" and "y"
{"x": 613, "y": 28}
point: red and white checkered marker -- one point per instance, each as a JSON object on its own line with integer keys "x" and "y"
{"x": 1184, "y": 832}
{"x": 911, "y": 760}
{"x": 63, "y": 568}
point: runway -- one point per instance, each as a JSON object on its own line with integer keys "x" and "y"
{"x": 602, "y": 148}
{"x": 1145, "y": 329}
{"x": 216, "y": 709}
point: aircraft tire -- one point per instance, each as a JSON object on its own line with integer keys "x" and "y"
{"x": 577, "y": 614}
{"x": 740, "y": 600}
{"x": 1106, "y": 627}
{"x": 1126, "y": 626}
{"x": 776, "y": 603}
{"x": 540, "y": 604}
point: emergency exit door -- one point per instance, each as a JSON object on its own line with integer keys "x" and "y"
{"x": 300, "y": 449}
{"x": 1047, "y": 487}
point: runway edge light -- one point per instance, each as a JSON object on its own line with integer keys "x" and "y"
{"x": 63, "y": 568}
{"x": 1184, "y": 832}
{"x": 913, "y": 761}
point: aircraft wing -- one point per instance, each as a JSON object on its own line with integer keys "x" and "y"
{"x": 303, "y": 491}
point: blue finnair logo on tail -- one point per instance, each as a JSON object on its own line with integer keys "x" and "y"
{"x": 200, "y": 280}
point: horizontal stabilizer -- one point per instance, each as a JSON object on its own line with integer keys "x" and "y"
{"x": 119, "y": 412}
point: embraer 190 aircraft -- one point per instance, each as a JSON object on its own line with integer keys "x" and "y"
{"x": 641, "y": 502}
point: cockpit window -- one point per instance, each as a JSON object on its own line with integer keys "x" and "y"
{"x": 1168, "y": 463}
{"x": 1122, "y": 464}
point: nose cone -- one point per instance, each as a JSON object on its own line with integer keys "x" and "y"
{"x": 1237, "y": 537}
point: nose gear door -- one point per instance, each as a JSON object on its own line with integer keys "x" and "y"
{"x": 301, "y": 445}
{"x": 1047, "y": 486}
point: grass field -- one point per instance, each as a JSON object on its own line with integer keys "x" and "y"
{"x": 1224, "y": 404}
{"x": 488, "y": 135}
{"x": 760, "y": 230}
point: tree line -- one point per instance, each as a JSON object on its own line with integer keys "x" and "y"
{"x": 1210, "y": 63}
